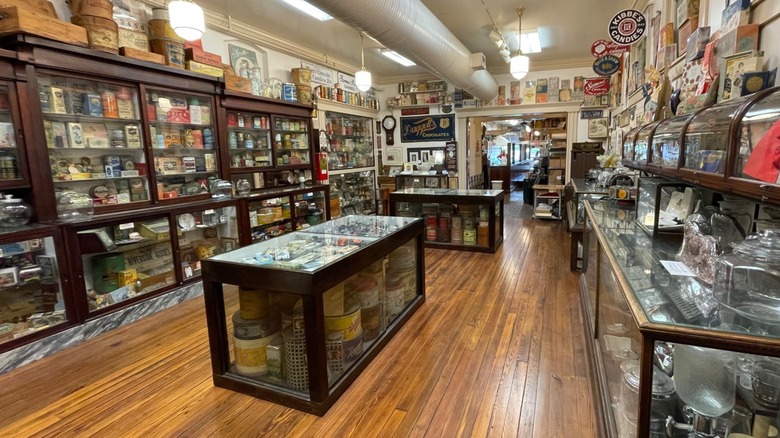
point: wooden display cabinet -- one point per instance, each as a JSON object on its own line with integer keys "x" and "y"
{"x": 13, "y": 160}
{"x": 480, "y": 212}
{"x": 310, "y": 314}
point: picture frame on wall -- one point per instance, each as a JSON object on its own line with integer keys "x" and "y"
{"x": 244, "y": 58}
{"x": 393, "y": 156}
{"x": 598, "y": 128}
{"x": 424, "y": 156}
{"x": 413, "y": 156}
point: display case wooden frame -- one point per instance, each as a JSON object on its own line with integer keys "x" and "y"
{"x": 627, "y": 154}
{"x": 310, "y": 287}
{"x": 494, "y": 199}
{"x": 7, "y": 79}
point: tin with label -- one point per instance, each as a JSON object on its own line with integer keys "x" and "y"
{"x": 289, "y": 92}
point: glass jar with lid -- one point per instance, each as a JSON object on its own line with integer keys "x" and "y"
{"x": 747, "y": 279}
{"x": 74, "y": 206}
{"x": 14, "y": 212}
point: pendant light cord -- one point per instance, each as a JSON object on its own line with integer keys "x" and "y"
{"x": 362, "y": 59}
{"x": 520, "y": 11}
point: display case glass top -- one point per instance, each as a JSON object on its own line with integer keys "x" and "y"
{"x": 666, "y": 141}
{"x": 362, "y": 226}
{"x": 94, "y": 139}
{"x": 291, "y": 141}
{"x": 452, "y": 192}
{"x": 249, "y": 140}
{"x": 10, "y": 162}
{"x": 757, "y": 141}
{"x": 309, "y": 251}
{"x": 350, "y": 141}
{"x": 642, "y": 142}
{"x": 628, "y": 144}
{"x": 707, "y": 137}
{"x": 183, "y": 142}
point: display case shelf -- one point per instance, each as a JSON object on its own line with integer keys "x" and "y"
{"x": 90, "y": 119}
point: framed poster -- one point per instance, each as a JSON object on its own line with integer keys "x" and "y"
{"x": 428, "y": 128}
{"x": 598, "y": 128}
{"x": 393, "y": 156}
{"x": 244, "y": 58}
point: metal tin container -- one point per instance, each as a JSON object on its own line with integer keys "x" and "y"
{"x": 250, "y": 338}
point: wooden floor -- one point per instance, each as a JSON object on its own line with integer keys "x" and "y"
{"x": 496, "y": 350}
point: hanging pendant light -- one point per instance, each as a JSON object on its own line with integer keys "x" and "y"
{"x": 186, "y": 19}
{"x": 363, "y": 76}
{"x": 520, "y": 64}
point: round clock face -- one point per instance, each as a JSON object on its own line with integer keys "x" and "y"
{"x": 388, "y": 122}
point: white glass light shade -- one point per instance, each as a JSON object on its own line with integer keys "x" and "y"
{"x": 519, "y": 66}
{"x": 187, "y": 19}
{"x": 363, "y": 80}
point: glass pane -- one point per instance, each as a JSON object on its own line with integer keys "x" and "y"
{"x": 9, "y": 155}
{"x": 758, "y": 141}
{"x": 291, "y": 141}
{"x": 350, "y": 142}
{"x": 310, "y": 209}
{"x": 203, "y": 234}
{"x": 183, "y": 141}
{"x": 93, "y": 135}
{"x": 353, "y": 194}
{"x": 628, "y": 145}
{"x": 666, "y": 141}
{"x": 124, "y": 260}
{"x": 270, "y": 218}
{"x": 706, "y": 140}
{"x": 249, "y": 140}
{"x": 642, "y": 140}
{"x": 30, "y": 294}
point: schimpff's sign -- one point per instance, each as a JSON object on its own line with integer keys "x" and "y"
{"x": 428, "y": 128}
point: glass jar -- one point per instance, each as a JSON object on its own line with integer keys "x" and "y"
{"x": 256, "y": 76}
{"x": 243, "y": 187}
{"x": 747, "y": 279}
{"x": 14, "y": 212}
{"x": 221, "y": 188}
{"x": 74, "y": 206}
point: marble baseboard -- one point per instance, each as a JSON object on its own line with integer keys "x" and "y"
{"x": 39, "y": 349}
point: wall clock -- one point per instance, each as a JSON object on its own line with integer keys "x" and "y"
{"x": 389, "y": 124}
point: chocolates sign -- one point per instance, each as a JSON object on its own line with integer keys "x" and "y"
{"x": 606, "y": 65}
{"x": 596, "y": 86}
{"x": 427, "y": 128}
{"x": 627, "y": 26}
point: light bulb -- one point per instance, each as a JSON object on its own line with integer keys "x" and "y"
{"x": 363, "y": 80}
{"x": 186, "y": 19}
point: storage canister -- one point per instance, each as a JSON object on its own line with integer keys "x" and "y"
{"x": 483, "y": 234}
{"x": 430, "y": 233}
{"x": 444, "y": 235}
{"x": 444, "y": 222}
{"x": 253, "y": 303}
{"x": 457, "y": 223}
{"x": 457, "y": 236}
{"x": 351, "y": 330}
{"x": 394, "y": 298}
{"x": 469, "y": 223}
{"x": 296, "y": 370}
{"x": 469, "y": 237}
{"x": 102, "y": 33}
{"x": 250, "y": 338}
{"x": 402, "y": 265}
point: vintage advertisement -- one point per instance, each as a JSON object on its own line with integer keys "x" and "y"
{"x": 428, "y": 128}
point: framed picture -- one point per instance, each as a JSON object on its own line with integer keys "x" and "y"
{"x": 229, "y": 243}
{"x": 244, "y": 58}
{"x": 425, "y": 156}
{"x": 413, "y": 156}
{"x": 393, "y": 156}
{"x": 431, "y": 183}
{"x": 8, "y": 277}
{"x": 598, "y": 128}
{"x": 408, "y": 167}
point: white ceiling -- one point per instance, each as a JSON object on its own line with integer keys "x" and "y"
{"x": 567, "y": 29}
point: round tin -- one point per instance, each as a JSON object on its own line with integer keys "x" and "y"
{"x": 430, "y": 233}
{"x": 370, "y": 319}
{"x": 253, "y": 303}
{"x": 444, "y": 235}
{"x": 394, "y": 298}
{"x": 457, "y": 223}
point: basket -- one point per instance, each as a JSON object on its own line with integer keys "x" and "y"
{"x": 295, "y": 362}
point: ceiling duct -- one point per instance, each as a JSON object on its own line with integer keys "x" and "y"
{"x": 411, "y": 29}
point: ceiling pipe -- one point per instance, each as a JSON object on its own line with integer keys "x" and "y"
{"x": 411, "y": 29}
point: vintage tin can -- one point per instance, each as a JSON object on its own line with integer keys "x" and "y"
{"x": 370, "y": 320}
{"x": 348, "y": 323}
{"x": 301, "y": 76}
{"x": 303, "y": 93}
{"x": 430, "y": 233}
{"x": 8, "y": 169}
{"x": 172, "y": 50}
{"x": 335, "y": 353}
{"x": 250, "y": 339}
{"x": 482, "y": 235}
{"x": 444, "y": 235}
{"x": 470, "y": 237}
{"x": 456, "y": 223}
{"x": 289, "y": 92}
{"x": 431, "y": 220}
{"x": 394, "y": 299}
{"x": 469, "y": 223}
{"x": 253, "y": 303}
{"x": 444, "y": 223}
{"x": 457, "y": 236}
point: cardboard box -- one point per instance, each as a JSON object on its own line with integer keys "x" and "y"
{"x": 17, "y": 19}
{"x": 203, "y": 57}
{"x": 155, "y": 230}
{"x": 142, "y": 55}
{"x": 126, "y": 277}
{"x": 204, "y": 69}
{"x": 133, "y": 39}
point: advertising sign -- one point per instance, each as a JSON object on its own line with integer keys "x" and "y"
{"x": 627, "y": 26}
{"x": 428, "y": 128}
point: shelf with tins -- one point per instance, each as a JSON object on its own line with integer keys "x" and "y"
{"x": 33, "y": 299}
{"x": 350, "y": 140}
{"x": 465, "y": 220}
{"x": 352, "y": 193}
{"x": 309, "y": 357}
{"x": 270, "y": 213}
{"x": 337, "y": 97}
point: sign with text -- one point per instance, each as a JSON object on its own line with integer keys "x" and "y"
{"x": 591, "y": 114}
{"x": 347, "y": 82}
{"x": 603, "y": 47}
{"x": 415, "y": 111}
{"x": 428, "y": 128}
{"x": 606, "y": 65}
{"x": 596, "y": 86}
{"x": 627, "y": 26}
{"x": 319, "y": 75}
{"x": 451, "y": 156}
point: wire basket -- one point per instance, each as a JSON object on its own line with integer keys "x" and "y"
{"x": 295, "y": 360}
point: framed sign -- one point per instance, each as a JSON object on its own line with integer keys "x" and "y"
{"x": 428, "y": 128}
{"x": 451, "y": 156}
{"x": 627, "y": 27}
{"x": 426, "y": 155}
{"x": 592, "y": 114}
{"x": 597, "y": 128}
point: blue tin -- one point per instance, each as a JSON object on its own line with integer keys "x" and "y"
{"x": 289, "y": 92}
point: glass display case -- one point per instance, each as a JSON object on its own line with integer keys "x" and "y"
{"x": 658, "y": 324}
{"x": 642, "y": 143}
{"x": 269, "y": 218}
{"x": 271, "y": 214}
{"x": 310, "y": 209}
{"x": 12, "y": 171}
{"x": 249, "y": 141}
{"x": 125, "y": 259}
{"x": 350, "y": 141}
{"x": 425, "y": 180}
{"x": 662, "y": 205}
{"x": 31, "y": 298}
{"x": 291, "y": 141}
{"x": 755, "y": 171}
{"x": 353, "y": 194}
{"x": 204, "y": 233}
{"x": 469, "y": 220}
{"x": 94, "y": 140}
{"x": 666, "y": 143}
{"x": 183, "y": 143}
{"x": 628, "y": 146}
{"x": 313, "y": 308}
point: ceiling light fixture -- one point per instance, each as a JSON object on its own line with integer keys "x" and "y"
{"x": 309, "y": 9}
{"x": 362, "y": 77}
{"x": 520, "y": 63}
{"x": 530, "y": 42}
{"x": 186, "y": 19}
{"x": 397, "y": 57}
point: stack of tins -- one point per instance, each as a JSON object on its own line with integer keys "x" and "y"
{"x": 445, "y": 223}
{"x": 164, "y": 40}
{"x": 431, "y": 214}
{"x": 401, "y": 264}
{"x": 343, "y": 329}
{"x": 369, "y": 286}
{"x": 482, "y": 227}
{"x": 301, "y": 77}
{"x": 457, "y": 229}
{"x": 255, "y": 327}
{"x": 97, "y": 17}
{"x": 469, "y": 224}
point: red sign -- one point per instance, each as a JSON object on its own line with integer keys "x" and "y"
{"x": 415, "y": 111}
{"x": 596, "y": 86}
{"x": 603, "y": 47}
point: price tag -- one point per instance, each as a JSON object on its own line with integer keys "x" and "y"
{"x": 677, "y": 268}
{"x": 209, "y": 211}
{"x": 127, "y": 226}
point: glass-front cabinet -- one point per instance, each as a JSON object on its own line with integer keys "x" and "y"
{"x": 353, "y": 193}
{"x": 665, "y": 147}
{"x": 31, "y": 296}
{"x": 350, "y": 141}
{"x": 628, "y": 147}
{"x": 311, "y": 308}
{"x": 642, "y": 144}
{"x": 183, "y": 142}
{"x": 269, "y": 218}
{"x": 12, "y": 170}
{"x": 756, "y": 171}
{"x": 203, "y": 233}
{"x": 291, "y": 142}
{"x": 271, "y": 214}
{"x": 94, "y": 140}
{"x": 249, "y": 141}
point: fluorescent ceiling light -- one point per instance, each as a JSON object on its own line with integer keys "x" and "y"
{"x": 398, "y": 58}
{"x": 529, "y": 42}
{"x": 309, "y": 9}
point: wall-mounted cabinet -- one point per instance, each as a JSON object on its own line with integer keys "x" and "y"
{"x": 350, "y": 141}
